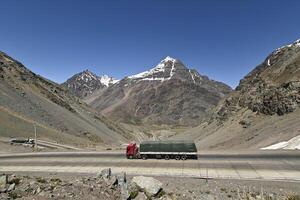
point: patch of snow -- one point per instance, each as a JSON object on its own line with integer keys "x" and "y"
{"x": 192, "y": 76}
{"x": 269, "y": 63}
{"x": 87, "y": 76}
{"x": 140, "y": 75}
{"x": 279, "y": 145}
{"x": 153, "y": 79}
{"x": 296, "y": 43}
{"x": 168, "y": 58}
{"x": 292, "y": 144}
{"x": 106, "y": 80}
{"x": 172, "y": 70}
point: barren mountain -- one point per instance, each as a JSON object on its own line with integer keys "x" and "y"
{"x": 169, "y": 93}
{"x": 263, "y": 110}
{"x": 27, "y": 99}
{"x": 86, "y": 83}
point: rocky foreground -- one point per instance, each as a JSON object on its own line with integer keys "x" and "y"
{"x": 108, "y": 186}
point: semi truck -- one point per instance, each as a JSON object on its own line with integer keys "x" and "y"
{"x": 162, "y": 149}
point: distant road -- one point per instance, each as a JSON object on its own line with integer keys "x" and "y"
{"x": 260, "y": 165}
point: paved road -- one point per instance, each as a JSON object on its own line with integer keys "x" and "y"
{"x": 283, "y": 166}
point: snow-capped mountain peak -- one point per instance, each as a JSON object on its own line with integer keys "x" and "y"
{"x": 162, "y": 65}
{"x": 86, "y": 76}
{"x": 164, "y": 70}
{"x": 168, "y": 93}
{"x": 168, "y": 58}
{"x": 85, "y": 83}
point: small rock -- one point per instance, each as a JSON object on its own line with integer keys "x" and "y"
{"x": 41, "y": 180}
{"x": 38, "y": 190}
{"x": 43, "y": 194}
{"x": 167, "y": 197}
{"x": 16, "y": 193}
{"x": 11, "y": 187}
{"x": 32, "y": 183}
{"x": 209, "y": 197}
{"x": 3, "y": 182}
{"x": 271, "y": 196}
{"x": 3, "y": 190}
{"x": 13, "y": 179}
{"x": 148, "y": 184}
{"x": 25, "y": 188}
{"x": 121, "y": 178}
{"x": 245, "y": 123}
{"x": 141, "y": 196}
{"x": 112, "y": 181}
{"x": 55, "y": 180}
{"x": 105, "y": 173}
{"x": 133, "y": 190}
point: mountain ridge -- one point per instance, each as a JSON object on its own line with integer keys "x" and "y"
{"x": 262, "y": 110}
{"x": 84, "y": 83}
{"x": 145, "y": 96}
{"x": 27, "y": 98}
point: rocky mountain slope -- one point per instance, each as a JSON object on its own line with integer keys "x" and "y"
{"x": 86, "y": 83}
{"x": 27, "y": 99}
{"x": 170, "y": 93}
{"x": 263, "y": 110}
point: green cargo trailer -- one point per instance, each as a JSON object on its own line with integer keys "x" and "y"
{"x": 168, "y": 149}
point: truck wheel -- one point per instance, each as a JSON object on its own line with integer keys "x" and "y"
{"x": 130, "y": 157}
{"x": 183, "y": 157}
{"x": 177, "y": 157}
{"x": 144, "y": 157}
{"x": 167, "y": 157}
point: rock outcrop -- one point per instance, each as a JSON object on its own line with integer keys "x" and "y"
{"x": 56, "y": 188}
{"x": 150, "y": 185}
{"x": 273, "y": 87}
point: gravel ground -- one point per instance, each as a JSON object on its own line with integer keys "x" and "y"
{"x": 79, "y": 186}
{"x": 5, "y": 147}
{"x": 190, "y": 188}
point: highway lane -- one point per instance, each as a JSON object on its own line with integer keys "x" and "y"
{"x": 278, "y": 154}
{"x": 284, "y": 166}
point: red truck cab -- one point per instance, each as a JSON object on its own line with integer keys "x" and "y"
{"x": 132, "y": 150}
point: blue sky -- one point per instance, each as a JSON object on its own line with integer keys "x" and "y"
{"x": 221, "y": 39}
